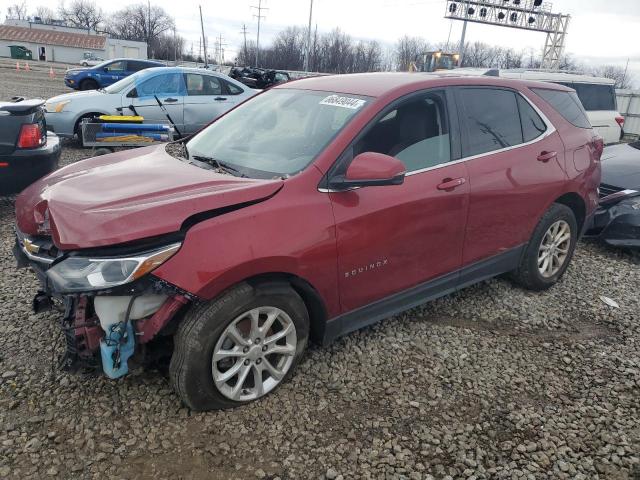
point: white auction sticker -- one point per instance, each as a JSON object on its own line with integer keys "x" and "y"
{"x": 344, "y": 102}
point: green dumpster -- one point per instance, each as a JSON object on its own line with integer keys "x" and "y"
{"x": 20, "y": 53}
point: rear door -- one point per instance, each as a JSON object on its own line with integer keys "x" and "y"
{"x": 393, "y": 238}
{"x": 515, "y": 161}
{"x": 205, "y": 101}
{"x": 169, "y": 89}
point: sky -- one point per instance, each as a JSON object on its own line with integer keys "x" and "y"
{"x": 600, "y": 31}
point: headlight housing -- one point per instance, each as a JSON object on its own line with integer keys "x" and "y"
{"x": 81, "y": 274}
{"x": 55, "y": 107}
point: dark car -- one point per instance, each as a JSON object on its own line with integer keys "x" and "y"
{"x": 313, "y": 209}
{"x": 27, "y": 150}
{"x": 258, "y": 77}
{"x": 105, "y": 73}
{"x": 617, "y": 220}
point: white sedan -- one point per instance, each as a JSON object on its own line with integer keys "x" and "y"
{"x": 191, "y": 97}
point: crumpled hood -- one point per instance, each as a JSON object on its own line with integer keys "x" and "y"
{"x": 128, "y": 196}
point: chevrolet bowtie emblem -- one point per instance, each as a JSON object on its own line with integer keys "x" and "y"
{"x": 30, "y": 247}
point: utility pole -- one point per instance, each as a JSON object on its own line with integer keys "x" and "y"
{"x": 175, "y": 46}
{"x": 220, "y": 49}
{"x": 244, "y": 33}
{"x": 259, "y": 16}
{"x": 464, "y": 34}
{"x": 308, "y": 52}
{"x": 204, "y": 39}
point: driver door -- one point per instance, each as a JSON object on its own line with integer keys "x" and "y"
{"x": 169, "y": 89}
{"x": 393, "y": 238}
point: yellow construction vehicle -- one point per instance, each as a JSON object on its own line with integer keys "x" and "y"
{"x": 435, "y": 61}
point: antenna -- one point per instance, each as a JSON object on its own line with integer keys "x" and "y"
{"x": 259, "y": 16}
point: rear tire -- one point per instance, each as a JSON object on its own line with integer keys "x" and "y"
{"x": 200, "y": 379}
{"x": 550, "y": 250}
{"x": 88, "y": 85}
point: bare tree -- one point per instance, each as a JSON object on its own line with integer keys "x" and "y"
{"x": 409, "y": 50}
{"x": 621, "y": 76}
{"x": 17, "y": 11}
{"x": 45, "y": 14}
{"x": 82, "y": 14}
{"x": 140, "y": 22}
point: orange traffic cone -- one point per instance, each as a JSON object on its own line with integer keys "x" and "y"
{"x": 52, "y": 74}
{"x": 27, "y": 67}
{"x": 17, "y": 66}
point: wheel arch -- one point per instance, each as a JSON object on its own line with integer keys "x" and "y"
{"x": 577, "y": 205}
{"x": 310, "y": 296}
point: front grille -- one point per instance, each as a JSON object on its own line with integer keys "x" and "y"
{"x": 606, "y": 190}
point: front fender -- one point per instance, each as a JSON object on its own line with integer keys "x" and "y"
{"x": 289, "y": 233}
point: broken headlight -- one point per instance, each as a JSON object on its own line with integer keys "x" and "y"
{"x": 76, "y": 274}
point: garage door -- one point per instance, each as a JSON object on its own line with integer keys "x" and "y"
{"x": 131, "y": 52}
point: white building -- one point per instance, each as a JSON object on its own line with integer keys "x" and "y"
{"x": 54, "y": 43}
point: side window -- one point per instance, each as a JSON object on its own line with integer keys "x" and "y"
{"x": 136, "y": 66}
{"x": 203, "y": 85}
{"x": 165, "y": 84}
{"x": 416, "y": 132}
{"x": 532, "y": 125}
{"x": 118, "y": 66}
{"x": 233, "y": 89}
{"x": 491, "y": 118}
{"x": 566, "y": 104}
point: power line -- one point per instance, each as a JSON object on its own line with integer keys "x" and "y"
{"x": 259, "y": 16}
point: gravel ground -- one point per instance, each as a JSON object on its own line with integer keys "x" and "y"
{"x": 492, "y": 382}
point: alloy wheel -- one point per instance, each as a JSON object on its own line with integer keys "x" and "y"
{"x": 254, "y": 353}
{"x": 554, "y": 249}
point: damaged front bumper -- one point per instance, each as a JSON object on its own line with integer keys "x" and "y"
{"x": 102, "y": 327}
{"x": 618, "y": 224}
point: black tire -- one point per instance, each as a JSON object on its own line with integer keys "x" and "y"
{"x": 191, "y": 365}
{"x": 527, "y": 274}
{"x": 88, "y": 84}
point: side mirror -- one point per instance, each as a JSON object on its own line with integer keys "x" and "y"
{"x": 370, "y": 169}
{"x": 106, "y": 69}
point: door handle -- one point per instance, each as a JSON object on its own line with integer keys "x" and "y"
{"x": 170, "y": 100}
{"x": 546, "y": 156}
{"x": 220, "y": 99}
{"x": 449, "y": 184}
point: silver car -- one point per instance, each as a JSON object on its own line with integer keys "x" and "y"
{"x": 191, "y": 97}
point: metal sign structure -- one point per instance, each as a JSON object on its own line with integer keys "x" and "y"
{"x": 534, "y": 15}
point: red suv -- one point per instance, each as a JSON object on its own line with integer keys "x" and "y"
{"x": 314, "y": 209}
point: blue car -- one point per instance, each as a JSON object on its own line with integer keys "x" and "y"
{"x": 105, "y": 73}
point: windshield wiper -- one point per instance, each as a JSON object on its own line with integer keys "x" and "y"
{"x": 221, "y": 165}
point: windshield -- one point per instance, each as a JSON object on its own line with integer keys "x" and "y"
{"x": 277, "y": 133}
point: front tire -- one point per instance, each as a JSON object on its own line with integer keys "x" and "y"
{"x": 239, "y": 347}
{"x": 88, "y": 85}
{"x": 550, "y": 250}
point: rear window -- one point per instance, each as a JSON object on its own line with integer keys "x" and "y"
{"x": 566, "y": 104}
{"x": 595, "y": 97}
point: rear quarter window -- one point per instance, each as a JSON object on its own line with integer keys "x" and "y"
{"x": 566, "y": 104}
